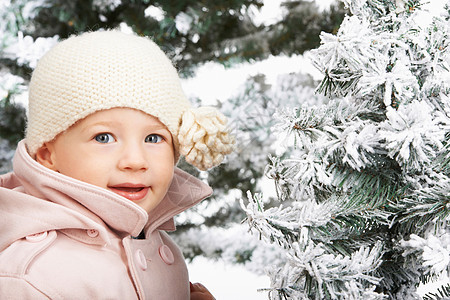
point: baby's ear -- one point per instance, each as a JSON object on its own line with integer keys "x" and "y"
{"x": 45, "y": 156}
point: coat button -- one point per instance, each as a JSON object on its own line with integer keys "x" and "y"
{"x": 166, "y": 254}
{"x": 92, "y": 233}
{"x": 37, "y": 237}
{"x": 140, "y": 259}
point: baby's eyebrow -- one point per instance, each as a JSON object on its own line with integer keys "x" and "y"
{"x": 100, "y": 123}
{"x": 114, "y": 123}
{"x": 158, "y": 126}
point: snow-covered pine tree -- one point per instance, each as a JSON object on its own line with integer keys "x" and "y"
{"x": 200, "y": 230}
{"x": 365, "y": 194}
{"x": 18, "y": 55}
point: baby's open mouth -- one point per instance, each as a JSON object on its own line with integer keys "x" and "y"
{"x": 134, "y": 193}
{"x": 129, "y": 189}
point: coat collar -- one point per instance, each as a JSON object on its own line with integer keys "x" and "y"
{"x": 105, "y": 206}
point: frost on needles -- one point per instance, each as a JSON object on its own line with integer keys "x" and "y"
{"x": 363, "y": 190}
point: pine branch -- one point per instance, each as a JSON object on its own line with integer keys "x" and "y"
{"x": 370, "y": 167}
{"x": 12, "y": 121}
{"x": 443, "y": 292}
{"x": 305, "y": 123}
{"x": 400, "y": 273}
{"x": 339, "y": 82}
{"x": 351, "y": 237}
{"x": 442, "y": 161}
{"x": 429, "y": 206}
{"x": 310, "y": 124}
{"x": 428, "y": 278}
{"x": 311, "y": 273}
{"x": 369, "y": 187}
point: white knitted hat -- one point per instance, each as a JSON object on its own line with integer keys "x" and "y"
{"x": 106, "y": 69}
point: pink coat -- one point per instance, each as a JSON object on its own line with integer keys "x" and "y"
{"x": 61, "y": 238}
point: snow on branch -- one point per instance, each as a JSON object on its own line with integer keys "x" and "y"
{"x": 413, "y": 137}
{"x": 370, "y": 169}
{"x": 433, "y": 250}
{"x": 285, "y": 224}
{"x": 340, "y": 277}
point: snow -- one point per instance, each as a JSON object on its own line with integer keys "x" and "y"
{"x": 28, "y": 51}
{"x": 213, "y": 82}
{"x": 226, "y": 281}
{"x": 155, "y": 12}
{"x": 432, "y": 286}
{"x": 183, "y": 22}
{"x": 269, "y": 14}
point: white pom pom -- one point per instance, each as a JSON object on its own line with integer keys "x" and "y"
{"x": 204, "y": 138}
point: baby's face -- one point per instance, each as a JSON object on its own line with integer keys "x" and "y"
{"x": 121, "y": 149}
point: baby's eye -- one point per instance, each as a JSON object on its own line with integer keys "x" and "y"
{"x": 153, "y": 138}
{"x": 104, "y": 138}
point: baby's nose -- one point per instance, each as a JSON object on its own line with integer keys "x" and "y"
{"x": 134, "y": 159}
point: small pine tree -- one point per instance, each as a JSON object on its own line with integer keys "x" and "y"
{"x": 250, "y": 113}
{"x": 365, "y": 193}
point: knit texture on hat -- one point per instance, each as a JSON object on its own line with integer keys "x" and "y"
{"x": 204, "y": 138}
{"x": 101, "y": 70}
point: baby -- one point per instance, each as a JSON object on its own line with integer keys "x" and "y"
{"x": 95, "y": 184}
